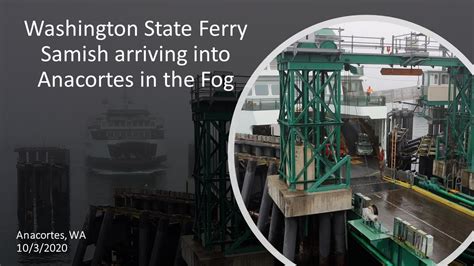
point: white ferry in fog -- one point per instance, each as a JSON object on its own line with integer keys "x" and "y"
{"x": 125, "y": 141}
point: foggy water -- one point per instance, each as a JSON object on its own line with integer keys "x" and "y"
{"x": 63, "y": 124}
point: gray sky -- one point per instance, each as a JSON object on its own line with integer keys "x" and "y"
{"x": 372, "y": 75}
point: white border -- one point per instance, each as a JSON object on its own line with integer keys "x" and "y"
{"x": 261, "y": 67}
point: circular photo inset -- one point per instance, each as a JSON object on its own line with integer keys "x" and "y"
{"x": 352, "y": 146}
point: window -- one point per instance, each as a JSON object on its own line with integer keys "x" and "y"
{"x": 434, "y": 79}
{"x": 444, "y": 79}
{"x": 352, "y": 86}
{"x": 275, "y": 89}
{"x": 261, "y": 90}
{"x": 425, "y": 79}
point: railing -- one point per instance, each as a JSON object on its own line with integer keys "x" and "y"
{"x": 406, "y": 43}
{"x": 399, "y": 94}
{"x": 363, "y": 100}
{"x": 265, "y": 104}
{"x": 206, "y": 90}
{"x": 261, "y": 104}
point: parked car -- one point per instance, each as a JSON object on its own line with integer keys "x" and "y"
{"x": 364, "y": 147}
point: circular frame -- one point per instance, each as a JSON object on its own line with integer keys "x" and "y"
{"x": 261, "y": 67}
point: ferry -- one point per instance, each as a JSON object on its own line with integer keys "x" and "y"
{"x": 125, "y": 141}
{"x": 361, "y": 113}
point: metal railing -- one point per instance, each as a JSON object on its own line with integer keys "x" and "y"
{"x": 412, "y": 42}
{"x": 265, "y": 104}
{"x": 363, "y": 100}
{"x": 400, "y": 94}
{"x": 261, "y": 104}
{"x": 206, "y": 90}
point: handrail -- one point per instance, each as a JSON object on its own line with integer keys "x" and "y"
{"x": 404, "y": 43}
{"x": 266, "y": 104}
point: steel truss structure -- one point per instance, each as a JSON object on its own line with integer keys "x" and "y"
{"x": 218, "y": 222}
{"x": 310, "y": 111}
{"x": 459, "y": 136}
{"x": 310, "y": 125}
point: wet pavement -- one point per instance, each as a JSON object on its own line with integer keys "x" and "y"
{"x": 448, "y": 226}
{"x": 362, "y": 166}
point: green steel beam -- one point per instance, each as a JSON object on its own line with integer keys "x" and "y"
{"x": 372, "y": 250}
{"x": 218, "y": 221}
{"x": 385, "y": 248}
{"x": 458, "y": 138}
{"x": 310, "y": 124}
{"x": 319, "y": 61}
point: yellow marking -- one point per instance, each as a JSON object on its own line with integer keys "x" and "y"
{"x": 432, "y": 196}
{"x": 356, "y": 161}
{"x": 398, "y": 182}
{"x": 444, "y": 201}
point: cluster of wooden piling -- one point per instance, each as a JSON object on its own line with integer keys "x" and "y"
{"x": 306, "y": 240}
{"x": 255, "y": 156}
{"x": 144, "y": 228}
{"x": 43, "y": 189}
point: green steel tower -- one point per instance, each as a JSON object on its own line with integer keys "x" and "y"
{"x": 310, "y": 107}
{"x": 218, "y": 222}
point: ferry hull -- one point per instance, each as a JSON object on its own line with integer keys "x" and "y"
{"x": 106, "y": 166}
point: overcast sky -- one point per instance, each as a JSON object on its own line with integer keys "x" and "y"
{"x": 372, "y": 75}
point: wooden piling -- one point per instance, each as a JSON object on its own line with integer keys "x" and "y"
{"x": 83, "y": 243}
{"x": 289, "y": 242}
{"x": 339, "y": 223}
{"x": 276, "y": 224}
{"x": 102, "y": 239}
{"x": 144, "y": 232}
{"x": 324, "y": 238}
{"x": 266, "y": 204}
{"x": 159, "y": 242}
{"x": 249, "y": 180}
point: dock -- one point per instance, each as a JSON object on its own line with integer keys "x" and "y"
{"x": 255, "y": 154}
{"x": 144, "y": 227}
